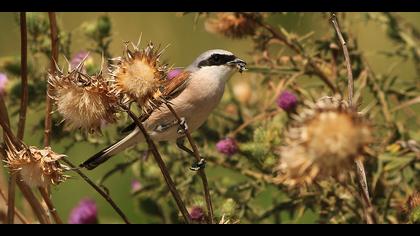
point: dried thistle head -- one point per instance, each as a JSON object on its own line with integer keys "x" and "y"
{"x": 323, "y": 141}
{"x": 37, "y": 167}
{"x": 233, "y": 25}
{"x": 139, "y": 76}
{"x": 84, "y": 101}
{"x": 413, "y": 201}
{"x": 412, "y": 208}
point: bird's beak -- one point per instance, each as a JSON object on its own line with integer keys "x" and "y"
{"x": 239, "y": 63}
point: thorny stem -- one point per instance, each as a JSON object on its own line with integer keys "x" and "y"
{"x": 22, "y": 113}
{"x": 11, "y": 199}
{"x": 24, "y": 74}
{"x": 33, "y": 201}
{"x": 201, "y": 171}
{"x": 11, "y": 139}
{"x": 346, "y": 57}
{"x": 279, "y": 36}
{"x": 54, "y": 59}
{"x": 162, "y": 166}
{"x": 50, "y": 205}
{"x": 98, "y": 189}
{"x": 19, "y": 215}
{"x": 361, "y": 173}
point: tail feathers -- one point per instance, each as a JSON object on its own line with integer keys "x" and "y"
{"x": 97, "y": 159}
{"x": 110, "y": 151}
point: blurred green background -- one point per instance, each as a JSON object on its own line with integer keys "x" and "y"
{"x": 187, "y": 39}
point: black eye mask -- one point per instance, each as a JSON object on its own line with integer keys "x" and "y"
{"x": 216, "y": 60}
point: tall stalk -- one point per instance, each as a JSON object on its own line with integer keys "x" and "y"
{"x": 201, "y": 171}
{"x": 54, "y": 59}
{"x": 361, "y": 173}
{"x": 22, "y": 113}
{"x": 169, "y": 182}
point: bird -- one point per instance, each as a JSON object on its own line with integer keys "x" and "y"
{"x": 194, "y": 94}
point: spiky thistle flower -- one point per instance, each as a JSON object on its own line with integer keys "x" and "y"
{"x": 413, "y": 200}
{"x": 37, "y": 167}
{"x": 174, "y": 73}
{"x": 139, "y": 76}
{"x": 413, "y": 208}
{"x": 227, "y": 146}
{"x": 323, "y": 141}
{"x": 3, "y": 82}
{"x": 197, "y": 214}
{"x": 86, "y": 212}
{"x": 84, "y": 101}
{"x": 233, "y": 25}
{"x": 287, "y": 101}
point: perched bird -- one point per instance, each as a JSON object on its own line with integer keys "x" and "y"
{"x": 193, "y": 93}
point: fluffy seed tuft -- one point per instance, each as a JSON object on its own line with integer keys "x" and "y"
{"x": 139, "y": 76}
{"x": 323, "y": 141}
{"x": 84, "y": 101}
{"x": 233, "y": 25}
{"x": 37, "y": 167}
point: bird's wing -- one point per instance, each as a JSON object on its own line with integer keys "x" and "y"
{"x": 171, "y": 89}
{"x": 176, "y": 85}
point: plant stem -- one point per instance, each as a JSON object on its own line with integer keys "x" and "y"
{"x": 162, "y": 166}
{"x": 99, "y": 190}
{"x": 24, "y": 75}
{"x": 11, "y": 199}
{"x": 50, "y": 205}
{"x": 22, "y": 113}
{"x": 33, "y": 202}
{"x": 54, "y": 59}
{"x": 19, "y": 215}
{"x": 10, "y": 139}
{"x": 346, "y": 57}
{"x": 361, "y": 173}
{"x": 279, "y": 36}
{"x": 201, "y": 171}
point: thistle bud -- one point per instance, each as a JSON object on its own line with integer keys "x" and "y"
{"x": 85, "y": 212}
{"x": 227, "y": 146}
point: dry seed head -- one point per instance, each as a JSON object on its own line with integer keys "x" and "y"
{"x": 37, "y": 167}
{"x": 84, "y": 101}
{"x": 233, "y": 25}
{"x": 413, "y": 201}
{"x": 323, "y": 141}
{"x": 139, "y": 76}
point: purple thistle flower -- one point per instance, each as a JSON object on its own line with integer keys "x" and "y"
{"x": 85, "y": 212}
{"x": 174, "y": 73}
{"x": 287, "y": 101}
{"x": 77, "y": 58}
{"x": 227, "y": 146}
{"x": 3, "y": 82}
{"x": 197, "y": 213}
{"x": 135, "y": 185}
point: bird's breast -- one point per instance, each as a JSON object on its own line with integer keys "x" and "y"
{"x": 195, "y": 104}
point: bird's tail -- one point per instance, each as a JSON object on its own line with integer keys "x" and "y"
{"x": 110, "y": 151}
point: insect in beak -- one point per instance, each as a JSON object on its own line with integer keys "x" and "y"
{"x": 240, "y": 64}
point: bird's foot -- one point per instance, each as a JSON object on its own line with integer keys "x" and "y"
{"x": 183, "y": 127}
{"x": 196, "y": 166}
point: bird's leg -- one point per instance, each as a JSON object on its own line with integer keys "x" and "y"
{"x": 196, "y": 166}
{"x": 183, "y": 127}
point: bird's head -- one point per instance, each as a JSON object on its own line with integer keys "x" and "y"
{"x": 219, "y": 63}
